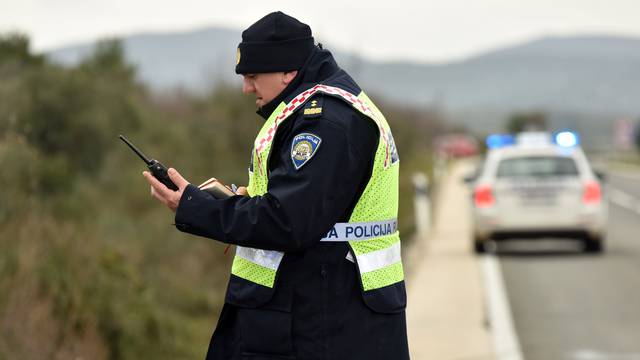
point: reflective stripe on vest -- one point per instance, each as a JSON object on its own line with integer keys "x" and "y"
{"x": 265, "y": 258}
{"x": 256, "y": 265}
{"x": 379, "y": 259}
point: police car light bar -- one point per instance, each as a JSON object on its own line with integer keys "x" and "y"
{"x": 496, "y": 141}
{"x": 566, "y": 139}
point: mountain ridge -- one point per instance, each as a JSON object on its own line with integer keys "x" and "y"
{"x": 586, "y": 73}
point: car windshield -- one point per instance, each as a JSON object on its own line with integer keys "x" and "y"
{"x": 537, "y": 166}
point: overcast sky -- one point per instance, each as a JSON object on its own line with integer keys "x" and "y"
{"x": 433, "y": 31}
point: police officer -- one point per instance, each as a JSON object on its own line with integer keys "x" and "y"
{"x": 317, "y": 272}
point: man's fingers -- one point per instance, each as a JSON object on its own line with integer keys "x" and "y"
{"x": 159, "y": 187}
{"x": 154, "y": 193}
{"x": 177, "y": 179}
{"x": 242, "y": 190}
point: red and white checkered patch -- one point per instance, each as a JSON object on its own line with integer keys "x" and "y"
{"x": 299, "y": 100}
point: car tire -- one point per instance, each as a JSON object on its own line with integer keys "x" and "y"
{"x": 594, "y": 245}
{"x": 478, "y": 246}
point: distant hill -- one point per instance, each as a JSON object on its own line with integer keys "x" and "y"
{"x": 587, "y": 74}
{"x": 578, "y": 80}
{"x": 193, "y": 60}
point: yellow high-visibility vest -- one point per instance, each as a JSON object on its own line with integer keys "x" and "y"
{"x": 371, "y": 231}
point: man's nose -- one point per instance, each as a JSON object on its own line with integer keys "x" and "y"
{"x": 247, "y": 87}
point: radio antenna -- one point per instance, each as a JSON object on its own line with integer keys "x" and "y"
{"x": 135, "y": 149}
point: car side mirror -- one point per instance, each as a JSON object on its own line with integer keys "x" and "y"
{"x": 601, "y": 175}
{"x": 469, "y": 179}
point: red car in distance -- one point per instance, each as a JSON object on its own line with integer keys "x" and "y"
{"x": 456, "y": 145}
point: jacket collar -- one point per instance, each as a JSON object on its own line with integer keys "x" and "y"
{"x": 319, "y": 66}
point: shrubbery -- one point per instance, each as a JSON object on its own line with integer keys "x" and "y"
{"x": 90, "y": 265}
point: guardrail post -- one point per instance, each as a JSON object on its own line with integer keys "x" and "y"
{"x": 422, "y": 204}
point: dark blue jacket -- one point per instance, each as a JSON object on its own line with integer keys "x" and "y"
{"x": 316, "y": 309}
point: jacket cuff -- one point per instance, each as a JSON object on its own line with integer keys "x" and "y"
{"x": 189, "y": 206}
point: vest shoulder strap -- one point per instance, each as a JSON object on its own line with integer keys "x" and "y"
{"x": 297, "y": 102}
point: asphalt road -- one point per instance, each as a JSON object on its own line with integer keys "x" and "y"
{"x": 570, "y": 305}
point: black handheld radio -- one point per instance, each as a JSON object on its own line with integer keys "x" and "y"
{"x": 157, "y": 169}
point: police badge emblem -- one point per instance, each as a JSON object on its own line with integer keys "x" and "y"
{"x": 303, "y": 147}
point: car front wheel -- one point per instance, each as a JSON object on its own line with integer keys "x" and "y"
{"x": 479, "y": 245}
{"x": 594, "y": 245}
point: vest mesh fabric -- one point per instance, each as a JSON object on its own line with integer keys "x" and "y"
{"x": 378, "y": 202}
{"x": 258, "y": 181}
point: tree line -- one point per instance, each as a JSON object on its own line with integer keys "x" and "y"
{"x": 90, "y": 265}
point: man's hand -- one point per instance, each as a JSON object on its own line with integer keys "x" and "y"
{"x": 165, "y": 195}
{"x": 242, "y": 190}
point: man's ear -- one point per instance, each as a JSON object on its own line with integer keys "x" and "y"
{"x": 288, "y": 76}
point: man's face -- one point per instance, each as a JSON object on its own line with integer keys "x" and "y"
{"x": 266, "y": 86}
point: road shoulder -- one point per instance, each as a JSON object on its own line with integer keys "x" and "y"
{"x": 446, "y": 313}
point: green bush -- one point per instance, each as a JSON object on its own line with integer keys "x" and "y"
{"x": 81, "y": 240}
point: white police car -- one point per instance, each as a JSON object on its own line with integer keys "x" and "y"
{"x": 535, "y": 186}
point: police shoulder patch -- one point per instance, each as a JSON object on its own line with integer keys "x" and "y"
{"x": 313, "y": 107}
{"x": 303, "y": 147}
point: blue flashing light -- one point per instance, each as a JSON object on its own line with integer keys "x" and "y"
{"x": 496, "y": 141}
{"x": 566, "y": 139}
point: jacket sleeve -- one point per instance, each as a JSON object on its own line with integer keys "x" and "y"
{"x": 301, "y": 205}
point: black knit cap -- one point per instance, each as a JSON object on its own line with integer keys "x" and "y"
{"x": 277, "y": 42}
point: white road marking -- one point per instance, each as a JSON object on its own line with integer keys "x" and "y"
{"x": 622, "y": 199}
{"x": 635, "y": 175}
{"x": 597, "y": 355}
{"x": 505, "y": 339}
